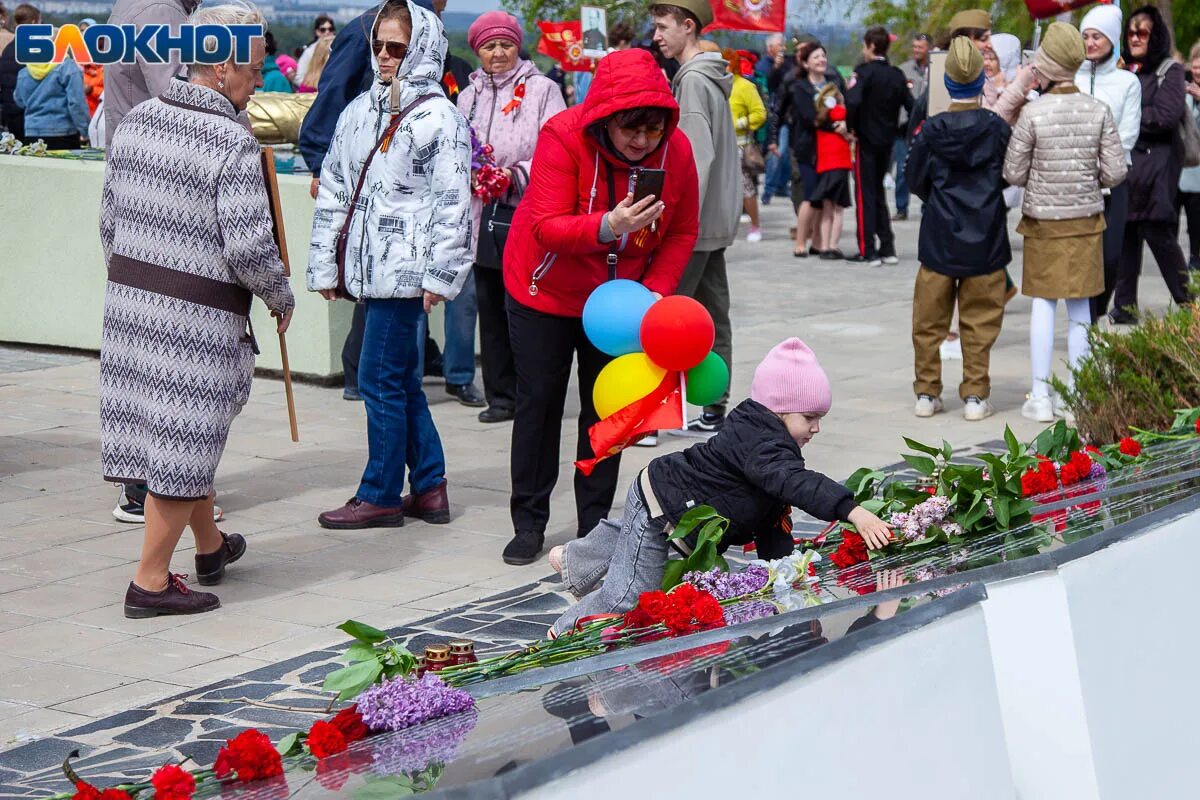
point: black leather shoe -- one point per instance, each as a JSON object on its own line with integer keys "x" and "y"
{"x": 1119, "y": 316}
{"x": 177, "y": 598}
{"x": 210, "y": 567}
{"x": 466, "y": 394}
{"x": 493, "y": 414}
{"x": 524, "y": 548}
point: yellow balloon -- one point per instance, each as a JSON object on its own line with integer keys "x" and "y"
{"x": 625, "y": 380}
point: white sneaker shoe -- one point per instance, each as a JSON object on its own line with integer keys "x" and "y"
{"x": 891, "y": 261}
{"x": 977, "y": 408}
{"x": 744, "y": 219}
{"x": 1061, "y": 409}
{"x": 1038, "y": 409}
{"x": 951, "y": 350}
{"x": 928, "y": 405}
{"x": 649, "y": 440}
{"x": 754, "y": 236}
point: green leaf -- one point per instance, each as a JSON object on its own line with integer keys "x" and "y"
{"x": 1010, "y": 439}
{"x": 913, "y": 444}
{"x": 1000, "y": 506}
{"x": 947, "y": 451}
{"x": 288, "y": 743}
{"x": 722, "y": 563}
{"x": 360, "y": 651}
{"x": 385, "y": 789}
{"x": 673, "y": 574}
{"x": 350, "y": 681}
{"x": 923, "y": 465}
{"x": 362, "y": 631}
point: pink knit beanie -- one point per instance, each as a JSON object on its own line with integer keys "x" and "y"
{"x": 789, "y": 380}
{"x": 493, "y": 25}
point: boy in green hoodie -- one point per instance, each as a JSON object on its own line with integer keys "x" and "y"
{"x": 702, "y": 87}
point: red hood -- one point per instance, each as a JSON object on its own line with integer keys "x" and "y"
{"x": 628, "y": 79}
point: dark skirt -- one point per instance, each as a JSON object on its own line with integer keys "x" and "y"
{"x": 834, "y": 186}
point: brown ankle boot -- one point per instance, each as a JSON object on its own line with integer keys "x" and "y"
{"x": 177, "y": 598}
{"x": 432, "y": 506}
{"x": 358, "y": 514}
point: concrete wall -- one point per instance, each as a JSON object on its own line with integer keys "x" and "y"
{"x": 914, "y": 717}
{"x": 52, "y": 272}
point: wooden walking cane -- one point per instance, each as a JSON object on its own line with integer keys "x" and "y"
{"x": 272, "y": 183}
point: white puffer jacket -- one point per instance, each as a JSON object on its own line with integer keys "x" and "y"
{"x": 411, "y": 228}
{"x": 1117, "y": 87}
{"x": 1063, "y": 149}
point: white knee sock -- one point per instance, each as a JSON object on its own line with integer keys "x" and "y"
{"x": 1041, "y": 343}
{"x": 1080, "y": 314}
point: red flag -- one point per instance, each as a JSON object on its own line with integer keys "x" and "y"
{"x": 563, "y": 41}
{"x": 1041, "y": 9}
{"x": 662, "y": 409}
{"x": 765, "y": 16}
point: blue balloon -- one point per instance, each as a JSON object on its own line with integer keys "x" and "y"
{"x": 612, "y": 316}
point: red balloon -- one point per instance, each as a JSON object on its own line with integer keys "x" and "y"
{"x": 677, "y": 333}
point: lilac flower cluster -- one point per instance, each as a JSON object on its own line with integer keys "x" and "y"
{"x": 400, "y": 703}
{"x": 749, "y": 611}
{"x": 1097, "y": 471}
{"x": 727, "y": 585}
{"x": 911, "y": 525}
{"x": 414, "y": 751}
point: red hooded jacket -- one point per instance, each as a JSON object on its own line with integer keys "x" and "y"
{"x": 555, "y": 237}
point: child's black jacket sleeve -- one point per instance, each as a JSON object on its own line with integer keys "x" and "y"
{"x": 779, "y": 471}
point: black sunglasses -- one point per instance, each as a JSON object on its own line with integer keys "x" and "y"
{"x": 324, "y": 28}
{"x": 397, "y": 50}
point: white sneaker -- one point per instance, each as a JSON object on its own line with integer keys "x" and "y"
{"x": 1061, "y": 410}
{"x": 745, "y": 218}
{"x": 927, "y": 405}
{"x": 891, "y": 261}
{"x": 1038, "y": 409}
{"x": 951, "y": 350}
{"x": 754, "y": 236}
{"x": 977, "y": 408}
{"x": 649, "y": 440}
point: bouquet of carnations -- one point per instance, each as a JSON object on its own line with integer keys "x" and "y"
{"x": 489, "y": 181}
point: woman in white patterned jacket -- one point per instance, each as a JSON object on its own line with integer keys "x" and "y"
{"x": 186, "y": 232}
{"x": 403, "y": 227}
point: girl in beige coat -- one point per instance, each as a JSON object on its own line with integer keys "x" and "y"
{"x": 1063, "y": 150}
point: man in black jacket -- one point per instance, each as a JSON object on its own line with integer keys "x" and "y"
{"x": 874, "y": 97}
{"x": 956, "y": 167}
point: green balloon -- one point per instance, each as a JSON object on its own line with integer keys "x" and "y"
{"x": 707, "y": 381}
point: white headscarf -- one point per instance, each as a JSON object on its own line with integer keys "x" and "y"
{"x": 1008, "y": 51}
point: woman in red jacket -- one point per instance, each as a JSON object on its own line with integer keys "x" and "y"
{"x": 577, "y": 227}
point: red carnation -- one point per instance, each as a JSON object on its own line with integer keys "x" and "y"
{"x": 1198, "y": 426}
{"x": 333, "y": 772}
{"x": 852, "y": 550}
{"x": 115, "y": 794}
{"x": 351, "y": 724}
{"x": 1130, "y": 447}
{"x": 324, "y": 739}
{"x": 251, "y": 755}
{"x": 85, "y": 791}
{"x": 171, "y": 782}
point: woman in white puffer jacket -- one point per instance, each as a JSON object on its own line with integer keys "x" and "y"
{"x": 1101, "y": 77}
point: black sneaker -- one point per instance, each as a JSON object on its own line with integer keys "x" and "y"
{"x": 707, "y": 422}
{"x": 133, "y": 511}
{"x": 524, "y": 548}
{"x": 466, "y": 394}
{"x": 493, "y": 414}
{"x": 1119, "y": 316}
{"x": 352, "y": 394}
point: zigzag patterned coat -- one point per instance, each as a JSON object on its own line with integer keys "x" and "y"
{"x": 186, "y": 232}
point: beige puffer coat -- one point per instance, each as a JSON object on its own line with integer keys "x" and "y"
{"x": 1064, "y": 148}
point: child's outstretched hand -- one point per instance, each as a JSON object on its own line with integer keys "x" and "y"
{"x": 874, "y": 531}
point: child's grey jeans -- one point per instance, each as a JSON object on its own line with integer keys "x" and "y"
{"x": 629, "y": 558}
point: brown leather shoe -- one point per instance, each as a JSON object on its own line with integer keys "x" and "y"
{"x": 358, "y": 514}
{"x": 177, "y": 598}
{"x": 210, "y": 567}
{"x": 432, "y": 506}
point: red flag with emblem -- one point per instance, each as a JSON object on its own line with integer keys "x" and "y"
{"x": 660, "y": 410}
{"x": 563, "y": 41}
{"x": 1041, "y": 9}
{"x": 763, "y": 16}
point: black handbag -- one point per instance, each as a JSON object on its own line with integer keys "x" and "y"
{"x": 494, "y": 223}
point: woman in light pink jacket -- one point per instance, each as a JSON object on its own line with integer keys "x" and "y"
{"x": 506, "y": 103}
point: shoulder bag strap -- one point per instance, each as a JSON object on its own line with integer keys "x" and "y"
{"x": 344, "y": 233}
{"x": 613, "y": 248}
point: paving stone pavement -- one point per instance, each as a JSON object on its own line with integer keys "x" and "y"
{"x": 69, "y": 660}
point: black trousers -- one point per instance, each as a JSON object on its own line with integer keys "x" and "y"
{"x": 1116, "y": 208}
{"x": 1189, "y": 202}
{"x": 353, "y": 345}
{"x": 874, "y": 221}
{"x": 543, "y": 348}
{"x": 495, "y": 353}
{"x": 1163, "y": 238}
{"x": 71, "y": 141}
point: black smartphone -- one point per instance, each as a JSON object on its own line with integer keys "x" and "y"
{"x": 648, "y": 182}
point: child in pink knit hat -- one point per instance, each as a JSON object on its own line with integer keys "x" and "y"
{"x": 751, "y": 472}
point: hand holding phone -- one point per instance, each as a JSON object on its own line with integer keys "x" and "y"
{"x": 648, "y": 182}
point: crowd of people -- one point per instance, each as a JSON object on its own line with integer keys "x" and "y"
{"x": 479, "y": 189}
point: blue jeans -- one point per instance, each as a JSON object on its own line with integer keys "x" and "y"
{"x": 400, "y": 429}
{"x": 900, "y": 156}
{"x": 779, "y": 170}
{"x": 458, "y": 353}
